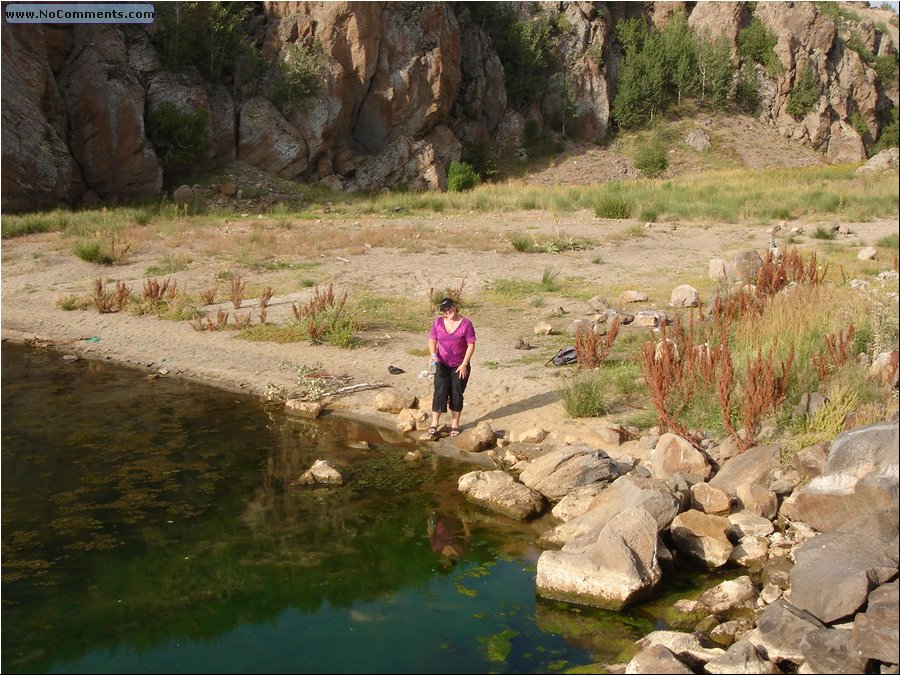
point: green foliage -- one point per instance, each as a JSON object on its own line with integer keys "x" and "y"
{"x": 746, "y": 90}
{"x": 182, "y": 136}
{"x": 548, "y": 280}
{"x": 461, "y": 176}
{"x": 595, "y": 53}
{"x": 757, "y": 43}
{"x": 334, "y": 327}
{"x": 92, "y": 251}
{"x": 651, "y": 159}
{"x": 538, "y": 142}
{"x": 613, "y": 207}
{"x": 823, "y": 233}
{"x": 521, "y": 243}
{"x": 525, "y": 49}
{"x": 889, "y": 133}
{"x": 29, "y": 223}
{"x": 298, "y": 77}
{"x": 586, "y": 395}
{"x": 855, "y": 42}
{"x": 478, "y": 155}
{"x": 840, "y": 15}
{"x": 680, "y": 54}
{"x": 806, "y": 92}
{"x": 207, "y": 35}
{"x": 890, "y": 241}
{"x": 641, "y": 88}
{"x": 859, "y": 124}
{"x": 715, "y": 70}
{"x": 561, "y": 106}
{"x": 886, "y": 68}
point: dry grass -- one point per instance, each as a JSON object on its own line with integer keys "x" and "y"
{"x": 592, "y": 349}
{"x": 238, "y": 286}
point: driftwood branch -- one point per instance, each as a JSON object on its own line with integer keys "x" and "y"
{"x": 362, "y": 386}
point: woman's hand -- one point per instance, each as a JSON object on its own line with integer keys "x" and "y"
{"x": 462, "y": 370}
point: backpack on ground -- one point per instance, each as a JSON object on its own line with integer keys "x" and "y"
{"x": 564, "y": 357}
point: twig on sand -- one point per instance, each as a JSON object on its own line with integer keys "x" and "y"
{"x": 362, "y": 386}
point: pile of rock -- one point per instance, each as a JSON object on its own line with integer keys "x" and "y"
{"x": 818, "y": 538}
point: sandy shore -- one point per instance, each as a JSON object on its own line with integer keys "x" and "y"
{"x": 513, "y": 389}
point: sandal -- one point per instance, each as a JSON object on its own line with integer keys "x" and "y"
{"x": 454, "y": 431}
{"x": 432, "y": 431}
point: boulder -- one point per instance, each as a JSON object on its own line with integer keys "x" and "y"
{"x": 558, "y": 472}
{"x": 861, "y": 476}
{"x": 702, "y": 536}
{"x": 321, "y": 473}
{"x": 610, "y": 566}
{"x": 654, "y": 496}
{"x": 499, "y": 492}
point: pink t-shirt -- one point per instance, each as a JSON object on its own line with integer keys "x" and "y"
{"x": 451, "y": 347}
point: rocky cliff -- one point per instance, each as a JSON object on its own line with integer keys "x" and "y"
{"x": 400, "y": 90}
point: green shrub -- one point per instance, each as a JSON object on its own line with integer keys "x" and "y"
{"x": 299, "y": 77}
{"x": 585, "y": 395}
{"x": 93, "y": 251}
{"x": 461, "y": 177}
{"x": 886, "y": 68}
{"x": 613, "y": 207}
{"x": 757, "y": 43}
{"x": 890, "y": 241}
{"x": 806, "y": 92}
{"x": 478, "y": 156}
{"x": 746, "y": 91}
{"x": 181, "y": 135}
{"x": 823, "y": 233}
{"x": 889, "y": 132}
{"x": 857, "y": 45}
{"x": 717, "y": 73}
{"x": 19, "y": 225}
{"x": 521, "y": 243}
{"x": 651, "y": 159}
{"x": 538, "y": 142}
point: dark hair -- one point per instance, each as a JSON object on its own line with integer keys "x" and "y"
{"x": 446, "y": 304}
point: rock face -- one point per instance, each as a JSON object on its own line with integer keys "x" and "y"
{"x": 404, "y": 86}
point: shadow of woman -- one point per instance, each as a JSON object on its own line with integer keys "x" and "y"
{"x": 526, "y": 404}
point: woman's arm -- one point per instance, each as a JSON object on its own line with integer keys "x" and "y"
{"x": 463, "y": 369}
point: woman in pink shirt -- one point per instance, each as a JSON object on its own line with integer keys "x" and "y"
{"x": 451, "y": 342}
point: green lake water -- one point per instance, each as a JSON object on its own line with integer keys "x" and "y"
{"x": 156, "y": 526}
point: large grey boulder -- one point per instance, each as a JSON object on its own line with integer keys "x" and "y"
{"x": 557, "y": 473}
{"x": 687, "y": 647}
{"x": 849, "y": 563}
{"x": 755, "y": 466}
{"x": 650, "y": 494}
{"x": 611, "y": 566}
{"x": 105, "y": 99}
{"x": 828, "y": 650}
{"x": 656, "y": 658}
{"x": 861, "y": 476}
{"x": 741, "y": 657}
{"x": 779, "y": 631}
{"x": 875, "y": 631}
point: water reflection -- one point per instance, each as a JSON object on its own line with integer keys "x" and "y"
{"x": 157, "y": 526}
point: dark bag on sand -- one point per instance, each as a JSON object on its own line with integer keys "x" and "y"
{"x": 564, "y": 357}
